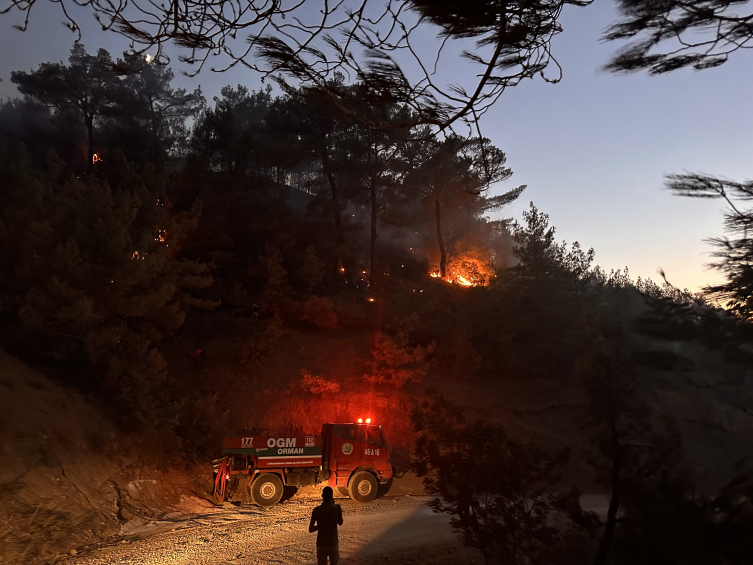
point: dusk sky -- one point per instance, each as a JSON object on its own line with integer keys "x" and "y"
{"x": 592, "y": 149}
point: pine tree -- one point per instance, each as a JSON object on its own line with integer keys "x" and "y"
{"x": 94, "y": 271}
{"x": 85, "y": 88}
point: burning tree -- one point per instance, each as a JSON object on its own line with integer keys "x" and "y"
{"x": 469, "y": 265}
{"x": 455, "y": 175}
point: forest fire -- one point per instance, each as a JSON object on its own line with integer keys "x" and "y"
{"x": 456, "y": 278}
{"x": 460, "y": 279}
{"x": 469, "y": 267}
{"x": 465, "y": 273}
{"x": 582, "y": 416}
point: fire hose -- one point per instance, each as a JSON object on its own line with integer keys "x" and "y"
{"x": 220, "y": 480}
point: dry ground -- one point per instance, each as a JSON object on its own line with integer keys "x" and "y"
{"x": 401, "y": 529}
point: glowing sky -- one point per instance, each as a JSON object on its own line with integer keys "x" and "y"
{"x": 592, "y": 149}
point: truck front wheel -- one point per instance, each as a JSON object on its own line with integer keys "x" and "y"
{"x": 266, "y": 490}
{"x": 363, "y": 487}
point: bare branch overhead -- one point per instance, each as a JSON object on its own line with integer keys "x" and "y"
{"x": 672, "y": 34}
{"x": 370, "y": 41}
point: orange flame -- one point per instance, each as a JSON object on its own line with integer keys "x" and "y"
{"x": 464, "y": 281}
{"x": 465, "y": 270}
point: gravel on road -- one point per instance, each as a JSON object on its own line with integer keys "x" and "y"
{"x": 393, "y": 530}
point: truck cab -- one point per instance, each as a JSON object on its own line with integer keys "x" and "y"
{"x": 358, "y": 458}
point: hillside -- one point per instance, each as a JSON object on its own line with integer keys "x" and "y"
{"x": 69, "y": 478}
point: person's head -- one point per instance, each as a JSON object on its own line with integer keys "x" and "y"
{"x": 327, "y": 494}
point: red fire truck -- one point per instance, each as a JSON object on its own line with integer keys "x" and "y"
{"x": 354, "y": 459}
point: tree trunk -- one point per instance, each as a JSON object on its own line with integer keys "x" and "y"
{"x": 614, "y": 503}
{"x": 440, "y": 242}
{"x": 155, "y": 127}
{"x": 606, "y": 542}
{"x": 340, "y": 243}
{"x": 374, "y": 218}
{"x": 90, "y": 132}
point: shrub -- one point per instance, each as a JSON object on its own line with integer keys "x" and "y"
{"x": 320, "y": 312}
{"x": 318, "y": 385}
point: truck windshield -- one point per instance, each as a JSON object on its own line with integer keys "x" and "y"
{"x": 346, "y": 432}
{"x": 375, "y": 437}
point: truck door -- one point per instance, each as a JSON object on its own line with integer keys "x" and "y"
{"x": 347, "y": 451}
{"x": 377, "y": 451}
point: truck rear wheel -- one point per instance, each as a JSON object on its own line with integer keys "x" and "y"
{"x": 266, "y": 490}
{"x": 363, "y": 487}
{"x": 342, "y": 491}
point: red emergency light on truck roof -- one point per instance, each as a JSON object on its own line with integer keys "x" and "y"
{"x": 352, "y": 458}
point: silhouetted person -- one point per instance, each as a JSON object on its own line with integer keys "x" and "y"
{"x": 324, "y": 520}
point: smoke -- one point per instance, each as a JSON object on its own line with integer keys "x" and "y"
{"x": 413, "y": 235}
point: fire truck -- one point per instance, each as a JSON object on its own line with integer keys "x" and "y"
{"x": 352, "y": 458}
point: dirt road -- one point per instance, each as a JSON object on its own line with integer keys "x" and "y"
{"x": 390, "y": 530}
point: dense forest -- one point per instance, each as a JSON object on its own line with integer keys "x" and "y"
{"x": 266, "y": 261}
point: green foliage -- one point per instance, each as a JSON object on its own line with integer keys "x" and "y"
{"x": 733, "y": 256}
{"x": 146, "y": 102}
{"x": 93, "y": 266}
{"x": 500, "y": 493}
{"x": 108, "y": 281}
{"x": 126, "y": 104}
{"x": 633, "y": 459}
{"x": 459, "y": 358}
{"x": 312, "y": 270}
{"x": 232, "y": 137}
{"x": 318, "y": 385}
{"x": 34, "y": 125}
{"x": 320, "y": 312}
{"x": 395, "y": 359}
{"x": 537, "y": 326}
{"x": 255, "y": 349}
{"x": 539, "y": 256}
{"x": 85, "y": 88}
{"x": 276, "y": 289}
